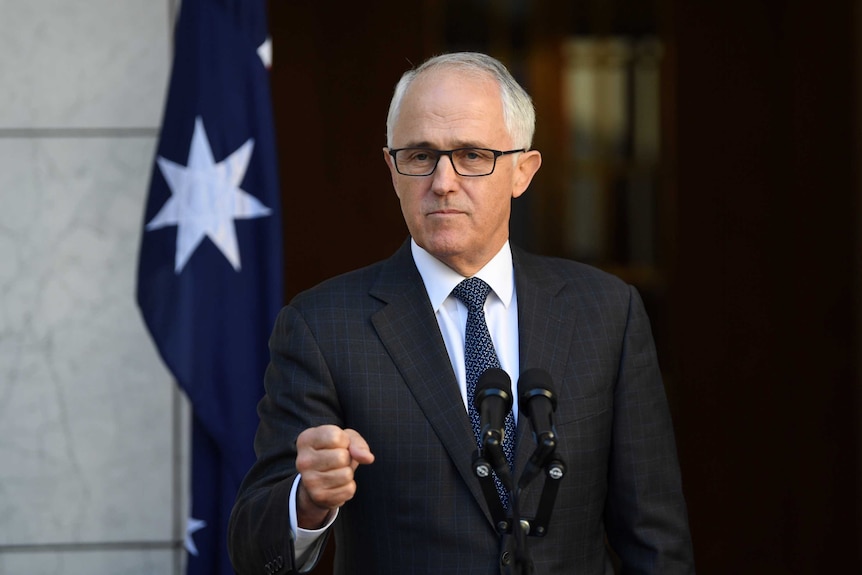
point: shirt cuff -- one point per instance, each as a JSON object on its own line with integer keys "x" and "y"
{"x": 307, "y": 543}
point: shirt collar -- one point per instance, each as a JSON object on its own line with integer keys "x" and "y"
{"x": 440, "y": 279}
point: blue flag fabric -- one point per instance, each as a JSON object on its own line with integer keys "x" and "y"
{"x": 210, "y": 270}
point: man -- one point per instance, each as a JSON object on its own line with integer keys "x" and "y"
{"x": 365, "y": 426}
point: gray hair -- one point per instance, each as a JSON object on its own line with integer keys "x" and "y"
{"x": 519, "y": 116}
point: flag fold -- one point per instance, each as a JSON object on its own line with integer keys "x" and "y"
{"x": 210, "y": 270}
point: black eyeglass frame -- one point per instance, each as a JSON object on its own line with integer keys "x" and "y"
{"x": 441, "y": 153}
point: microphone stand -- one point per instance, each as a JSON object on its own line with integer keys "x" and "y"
{"x": 542, "y": 459}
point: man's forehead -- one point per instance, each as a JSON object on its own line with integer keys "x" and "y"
{"x": 466, "y": 108}
{"x": 474, "y": 79}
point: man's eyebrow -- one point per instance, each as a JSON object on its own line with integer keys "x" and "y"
{"x": 456, "y": 146}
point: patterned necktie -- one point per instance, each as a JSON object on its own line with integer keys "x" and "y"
{"x": 479, "y": 355}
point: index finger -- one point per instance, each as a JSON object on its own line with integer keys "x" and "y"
{"x": 358, "y": 447}
{"x": 323, "y": 437}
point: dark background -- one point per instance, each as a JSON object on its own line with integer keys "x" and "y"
{"x": 757, "y": 315}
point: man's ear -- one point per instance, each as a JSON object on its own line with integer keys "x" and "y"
{"x": 527, "y": 166}
{"x": 390, "y": 161}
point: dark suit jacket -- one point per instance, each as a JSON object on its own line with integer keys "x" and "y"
{"x": 364, "y": 351}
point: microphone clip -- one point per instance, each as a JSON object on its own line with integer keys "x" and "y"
{"x": 554, "y": 470}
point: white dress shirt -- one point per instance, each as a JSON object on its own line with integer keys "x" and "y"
{"x": 501, "y": 315}
{"x": 501, "y": 311}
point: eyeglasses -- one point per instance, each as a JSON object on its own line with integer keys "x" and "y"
{"x": 469, "y": 162}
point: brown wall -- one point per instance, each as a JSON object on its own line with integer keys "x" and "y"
{"x": 332, "y": 82}
{"x": 765, "y": 288}
{"x": 764, "y": 291}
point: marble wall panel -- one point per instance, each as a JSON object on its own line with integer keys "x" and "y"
{"x": 87, "y": 426}
{"x": 127, "y": 562}
{"x": 84, "y": 63}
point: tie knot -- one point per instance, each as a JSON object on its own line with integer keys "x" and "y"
{"x": 472, "y": 292}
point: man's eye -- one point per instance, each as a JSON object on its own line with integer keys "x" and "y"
{"x": 473, "y": 155}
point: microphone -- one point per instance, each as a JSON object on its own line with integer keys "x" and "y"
{"x": 493, "y": 400}
{"x": 538, "y": 401}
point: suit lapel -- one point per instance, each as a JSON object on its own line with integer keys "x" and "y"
{"x": 545, "y": 328}
{"x": 409, "y": 331}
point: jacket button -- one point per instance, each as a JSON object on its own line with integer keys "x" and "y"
{"x": 505, "y": 558}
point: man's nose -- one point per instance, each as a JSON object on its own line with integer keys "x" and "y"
{"x": 444, "y": 176}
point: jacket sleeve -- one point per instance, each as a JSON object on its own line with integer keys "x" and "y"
{"x": 299, "y": 394}
{"x": 645, "y": 515}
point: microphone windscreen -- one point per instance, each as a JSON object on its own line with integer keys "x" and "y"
{"x": 494, "y": 381}
{"x": 536, "y": 382}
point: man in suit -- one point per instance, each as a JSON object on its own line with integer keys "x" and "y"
{"x": 365, "y": 426}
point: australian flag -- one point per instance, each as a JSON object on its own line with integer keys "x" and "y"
{"x": 210, "y": 271}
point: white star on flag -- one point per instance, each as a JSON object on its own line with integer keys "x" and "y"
{"x": 206, "y": 199}
{"x": 193, "y": 525}
{"x": 264, "y": 52}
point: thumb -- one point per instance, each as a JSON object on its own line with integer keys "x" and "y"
{"x": 358, "y": 448}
